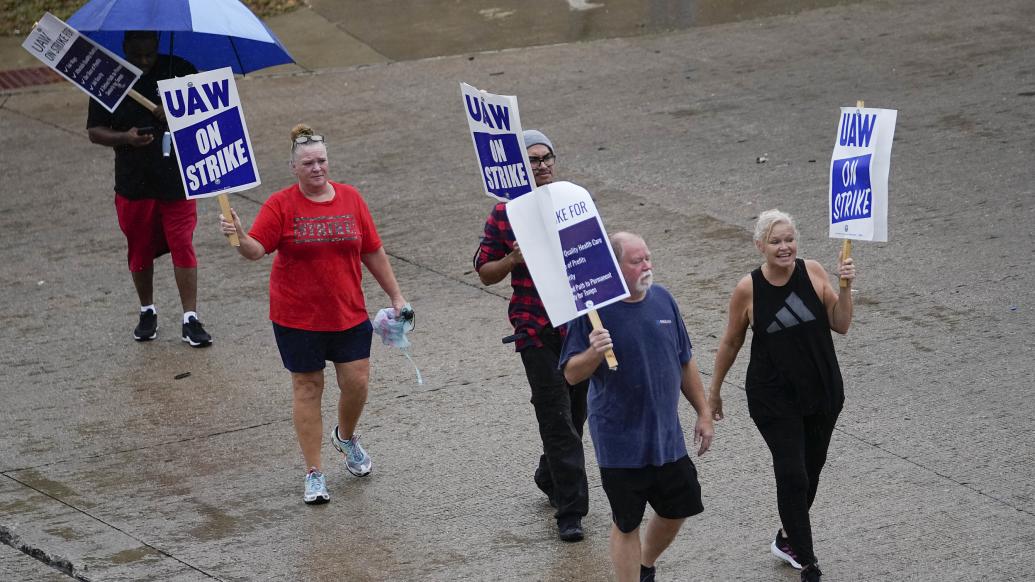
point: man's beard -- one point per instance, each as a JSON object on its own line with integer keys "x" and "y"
{"x": 644, "y": 282}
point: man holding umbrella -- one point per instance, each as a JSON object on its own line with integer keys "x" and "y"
{"x": 153, "y": 210}
{"x": 151, "y": 204}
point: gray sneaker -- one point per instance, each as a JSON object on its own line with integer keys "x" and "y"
{"x": 357, "y": 461}
{"x": 315, "y": 488}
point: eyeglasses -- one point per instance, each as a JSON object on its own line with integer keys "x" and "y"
{"x": 546, "y": 160}
{"x": 304, "y": 139}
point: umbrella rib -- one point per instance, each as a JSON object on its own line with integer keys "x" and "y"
{"x": 240, "y": 65}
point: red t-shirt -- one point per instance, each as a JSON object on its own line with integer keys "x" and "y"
{"x": 316, "y": 275}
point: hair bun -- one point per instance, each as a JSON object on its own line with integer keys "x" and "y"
{"x": 300, "y": 130}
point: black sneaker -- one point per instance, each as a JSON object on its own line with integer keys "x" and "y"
{"x": 647, "y": 574}
{"x": 147, "y": 329}
{"x": 811, "y": 573}
{"x": 194, "y": 334}
{"x": 570, "y": 529}
{"x": 781, "y": 548}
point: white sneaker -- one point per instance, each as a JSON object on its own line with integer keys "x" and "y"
{"x": 357, "y": 461}
{"x": 315, "y": 488}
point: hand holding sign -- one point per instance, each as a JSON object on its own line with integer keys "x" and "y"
{"x": 846, "y": 255}
{"x": 224, "y": 205}
{"x": 515, "y": 255}
{"x": 600, "y": 339}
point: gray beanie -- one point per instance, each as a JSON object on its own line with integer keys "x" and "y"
{"x": 534, "y": 136}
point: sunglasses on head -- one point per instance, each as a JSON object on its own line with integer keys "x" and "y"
{"x": 304, "y": 139}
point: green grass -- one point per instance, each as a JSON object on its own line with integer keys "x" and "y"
{"x": 18, "y": 16}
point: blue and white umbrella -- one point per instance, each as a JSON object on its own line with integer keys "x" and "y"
{"x": 211, "y": 34}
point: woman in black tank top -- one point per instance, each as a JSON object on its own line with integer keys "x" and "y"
{"x": 794, "y": 388}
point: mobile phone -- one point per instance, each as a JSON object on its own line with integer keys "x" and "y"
{"x": 148, "y": 129}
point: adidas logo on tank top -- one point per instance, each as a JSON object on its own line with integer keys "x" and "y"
{"x": 793, "y": 312}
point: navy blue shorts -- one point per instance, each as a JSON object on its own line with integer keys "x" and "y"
{"x": 671, "y": 489}
{"x": 308, "y": 351}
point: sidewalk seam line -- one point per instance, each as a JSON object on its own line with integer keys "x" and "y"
{"x": 112, "y": 526}
{"x": 914, "y": 463}
{"x": 936, "y": 472}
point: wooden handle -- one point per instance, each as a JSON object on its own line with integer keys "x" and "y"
{"x": 846, "y": 246}
{"x": 147, "y": 103}
{"x": 846, "y": 251}
{"x": 609, "y": 355}
{"x": 224, "y": 204}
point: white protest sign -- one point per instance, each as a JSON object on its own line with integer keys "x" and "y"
{"x": 566, "y": 249}
{"x": 859, "y": 168}
{"x": 209, "y": 133}
{"x": 100, "y": 73}
{"x": 496, "y": 132}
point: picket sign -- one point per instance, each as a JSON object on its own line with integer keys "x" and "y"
{"x": 566, "y": 249}
{"x": 224, "y": 201}
{"x": 210, "y": 134}
{"x": 859, "y": 167}
{"x": 95, "y": 70}
{"x": 495, "y": 127}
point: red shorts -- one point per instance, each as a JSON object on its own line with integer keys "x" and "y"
{"x": 155, "y": 227}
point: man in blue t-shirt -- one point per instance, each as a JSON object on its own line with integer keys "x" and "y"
{"x": 634, "y": 412}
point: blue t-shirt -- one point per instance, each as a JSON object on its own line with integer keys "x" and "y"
{"x": 634, "y": 410}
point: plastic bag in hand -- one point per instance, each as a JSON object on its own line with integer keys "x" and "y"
{"x": 393, "y": 329}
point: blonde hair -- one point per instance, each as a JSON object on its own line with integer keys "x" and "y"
{"x": 297, "y": 131}
{"x": 768, "y": 220}
{"x": 300, "y": 130}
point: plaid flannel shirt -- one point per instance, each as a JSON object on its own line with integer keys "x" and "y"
{"x": 526, "y": 311}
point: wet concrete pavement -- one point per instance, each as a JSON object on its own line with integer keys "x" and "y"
{"x": 433, "y": 29}
{"x": 112, "y": 466}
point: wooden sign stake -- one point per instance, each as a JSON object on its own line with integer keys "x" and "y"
{"x": 609, "y": 355}
{"x": 846, "y": 246}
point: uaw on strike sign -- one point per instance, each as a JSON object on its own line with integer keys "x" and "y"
{"x": 496, "y": 131}
{"x": 209, "y": 133}
{"x": 859, "y": 167}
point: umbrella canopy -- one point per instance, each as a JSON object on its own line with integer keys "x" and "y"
{"x": 211, "y": 34}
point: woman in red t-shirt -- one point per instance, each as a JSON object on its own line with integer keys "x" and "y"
{"x": 321, "y": 231}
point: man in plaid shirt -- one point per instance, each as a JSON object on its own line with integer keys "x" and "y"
{"x": 560, "y": 408}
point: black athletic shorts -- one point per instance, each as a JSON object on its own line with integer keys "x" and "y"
{"x": 308, "y": 351}
{"x": 671, "y": 489}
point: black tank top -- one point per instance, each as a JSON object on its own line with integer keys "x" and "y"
{"x": 793, "y": 368}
